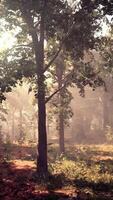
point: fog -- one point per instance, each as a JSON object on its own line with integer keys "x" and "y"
{"x": 92, "y": 120}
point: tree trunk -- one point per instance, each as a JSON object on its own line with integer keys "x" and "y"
{"x": 61, "y": 133}
{"x": 42, "y": 166}
{"x": 105, "y": 112}
{"x": 38, "y": 45}
{"x": 42, "y": 136}
{"x": 13, "y": 125}
{"x": 59, "y": 73}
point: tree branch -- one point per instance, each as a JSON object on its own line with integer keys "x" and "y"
{"x": 65, "y": 82}
{"x": 60, "y": 47}
{"x": 50, "y": 97}
{"x": 23, "y": 45}
{"x": 53, "y": 59}
{"x": 37, "y": 24}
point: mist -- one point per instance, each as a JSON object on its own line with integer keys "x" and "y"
{"x": 91, "y": 122}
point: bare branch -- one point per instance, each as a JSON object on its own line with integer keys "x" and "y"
{"x": 50, "y": 97}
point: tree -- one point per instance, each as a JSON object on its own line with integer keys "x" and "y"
{"x": 64, "y": 97}
{"x": 21, "y": 113}
{"x": 43, "y": 20}
{"x": 3, "y": 114}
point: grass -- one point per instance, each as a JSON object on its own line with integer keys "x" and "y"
{"x": 88, "y": 168}
{"x": 85, "y": 171}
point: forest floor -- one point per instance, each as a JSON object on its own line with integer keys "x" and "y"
{"x": 85, "y": 172}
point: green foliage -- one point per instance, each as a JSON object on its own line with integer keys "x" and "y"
{"x": 83, "y": 19}
{"x": 82, "y": 167}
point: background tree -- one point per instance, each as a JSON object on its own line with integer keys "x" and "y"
{"x": 3, "y": 113}
{"x": 63, "y": 99}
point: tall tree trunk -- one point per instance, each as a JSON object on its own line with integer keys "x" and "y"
{"x": 42, "y": 166}
{"x": 59, "y": 73}
{"x": 38, "y": 45}
{"x": 42, "y": 134}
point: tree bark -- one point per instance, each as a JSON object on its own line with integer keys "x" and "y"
{"x": 42, "y": 165}
{"x": 13, "y": 125}
{"x": 61, "y": 133}
{"x": 59, "y": 73}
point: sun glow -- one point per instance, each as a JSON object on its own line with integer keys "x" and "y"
{"x": 7, "y": 40}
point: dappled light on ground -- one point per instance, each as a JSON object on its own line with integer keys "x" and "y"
{"x": 16, "y": 183}
{"x": 83, "y": 173}
{"x": 24, "y": 164}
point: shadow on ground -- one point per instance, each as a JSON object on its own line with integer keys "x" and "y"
{"x": 19, "y": 181}
{"x": 95, "y": 191}
{"x": 24, "y": 184}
